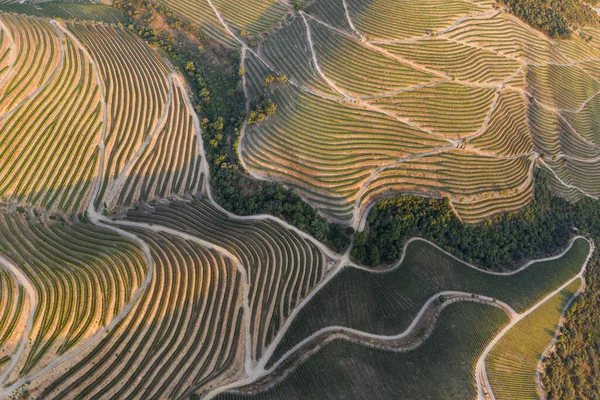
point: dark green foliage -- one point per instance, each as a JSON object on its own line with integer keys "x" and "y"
{"x": 501, "y": 243}
{"x": 297, "y": 6}
{"x": 554, "y": 17}
{"x": 261, "y": 108}
{"x": 215, "y": 75}
{"x": 573, "y": 372}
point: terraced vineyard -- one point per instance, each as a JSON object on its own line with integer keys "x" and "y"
{"x": 121, "y": 276}
{"x": 79, "y": 279}
{"x": 93, "y": 12}
{"x": 185, "y": 331}
{"x": 381, "y": 100}
{"x": 282, "y": 266}
{"x": 60, "y": 81}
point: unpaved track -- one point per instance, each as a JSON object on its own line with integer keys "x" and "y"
{"x": 226, "y": 253}
{"x": 157, "y": 128}
{"x": 372, "y": 44}
{"x": 96, "y": 219}
{"x": 56, "y": 70}
{"x": 366, "y": 338}
{"x": 566, "y": 184}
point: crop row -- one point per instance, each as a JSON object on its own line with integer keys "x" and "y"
{"x": 92, "y": 12}
{"x": 288, "y": 52}
{"x": 49, "y": 142}
{"x": 440, "y": 368}
{"x": 253, "y": 16}
{"x": 13, "y": 309}
{"x": 563, "y": 87}
{"x": 201, "y": 13}
{"x": 465, "y": 178}
{"x": 458, "y": 60}
{"x": 387, "y": 303}
{"x": 325, "y": 148}
{"x": 282, "y": 267}
{"x": 507, "y": 133}
{"x": 170, "y": 163}
{"x": 185, "y": 331}
{"x": 450, "y": 110}
{"x": 508, "y": 36}
{"x": 83, "y": 276}
{"x": 136, "y": 87}
{"x": 33, "y": 60}
{"x": 512, "y": 365}
{"x": 384, "y": 19}
{"x": 580, "y": 174}
{"x": 369, "y": 73}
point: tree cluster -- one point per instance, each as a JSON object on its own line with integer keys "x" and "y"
{"x": 506, "y": 242}
{"x": 276, "y": 78}
{"x": 261, "y": 108}
{"x": 556, "y": 18}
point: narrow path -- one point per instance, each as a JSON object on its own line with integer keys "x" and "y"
{"x": 355, "y": 100}
{"x": 157, "y": 128}
{"x": 96, "y": 219}
{"x": 473, "y": 266}
{"x": 100, "y": 83}
{"x": 33, "y": 304}
{"x": 357, "y": 215}
{"x": 550, "y": 348}
{"x": 578, "y": 159}
{"x": 490, "y": 114}
{"x": 43, "y": 86}
{"x": 313, "y": 53}
{"x": 410, "y": 331}
{"x": 349, "y": 19}
{"x": 252, "y": 372}
{"x": 482, "y": 15}
{"x": 481, "y": 374}
{"x": 240, "y": 148}
{"x": 13, "y": 52}
{"x": 226, "y": 253}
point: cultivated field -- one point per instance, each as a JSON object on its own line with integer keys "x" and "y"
{"x": 441, "y": 368}
{"x": 410, "y": 97}
{"x": 76, "y": 97}
{"x": 121, "y": 276}
{"x": 282, "y": 267}
{"x": 513, "y": 363}
{"x": 387, "y": 302}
